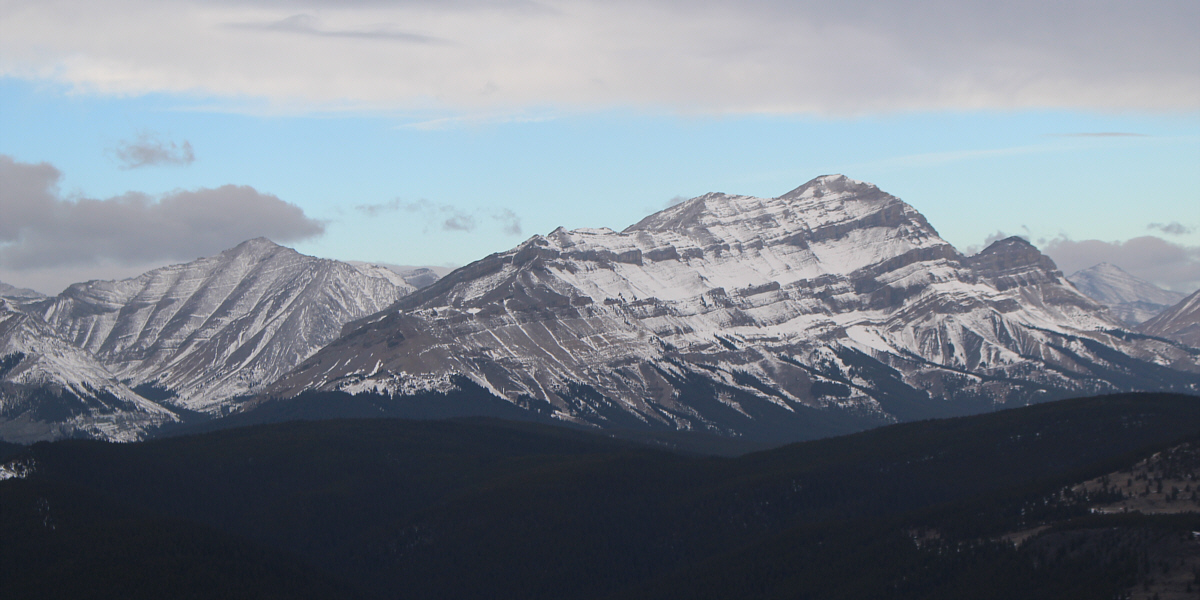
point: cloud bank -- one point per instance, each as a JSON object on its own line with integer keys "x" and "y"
{"x": 829, "y": 57}
{"x": 43, "y": 230}
{"x": 149, "y": 150}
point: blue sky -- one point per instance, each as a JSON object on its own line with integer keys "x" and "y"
{"x": 426, "y": 168}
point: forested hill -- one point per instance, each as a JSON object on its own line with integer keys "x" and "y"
{"x": 475, "y": 508}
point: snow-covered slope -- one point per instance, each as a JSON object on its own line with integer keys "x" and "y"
{"x": 1132, "y": 300}
{"x": 1180, "y": 322}
{"x": 50, "y": 389}
{"x": 726, "y": 311}
{"x": 220, "y": 327}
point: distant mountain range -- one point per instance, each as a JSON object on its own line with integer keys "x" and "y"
{"x": 832, "y": 308}
{"x": 19, "y": 294}
{"x": 1132, "y": 300}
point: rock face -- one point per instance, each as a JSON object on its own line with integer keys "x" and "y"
{"x": 50, "y": 389}
{"x": 1180, "y": 322}
{"x": 1132, "y": 300}
{"x": 197, "y": 335}
{"x": 751, "y": 316}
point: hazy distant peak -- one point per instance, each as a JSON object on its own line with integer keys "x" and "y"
{"x": 12, "y": 291}
{"x": 1130, "y": 298}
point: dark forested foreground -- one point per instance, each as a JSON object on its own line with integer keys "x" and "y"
{"x": 990, "y": 506}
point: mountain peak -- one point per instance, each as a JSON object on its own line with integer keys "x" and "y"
{"x": 258, "y": 243}
{"x": 826, "y": 184}
{"x": 1013, "y": 261}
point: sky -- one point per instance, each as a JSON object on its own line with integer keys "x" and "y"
{"x": 137, "y": 133}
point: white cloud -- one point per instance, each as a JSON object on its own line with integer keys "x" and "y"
{"x": 453, "y": 58}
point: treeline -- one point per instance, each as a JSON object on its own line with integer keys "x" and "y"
{"x": 388, "y": 508}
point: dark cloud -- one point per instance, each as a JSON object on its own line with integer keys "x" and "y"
{"x": 41, "y": 229}
{"x": 307, "y": 25}
{"x": 1172, "y": 228}
{"x": 676, "y": 200}
{"x": 445, "y": 216}
{"x": 149, "y": 150}
{"x": 1167, "y": 264}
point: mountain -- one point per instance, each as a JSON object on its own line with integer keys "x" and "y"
{"x": 200, "y": 334}
{"x": 835, "y": 303}
{"x": 19, "y": 294}
{"x": 50, "y": 389}
{"x": 1132, "y": 300}
{"x": 1180, "y": 322}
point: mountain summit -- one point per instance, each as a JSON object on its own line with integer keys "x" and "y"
{"x": 833, "y": 303}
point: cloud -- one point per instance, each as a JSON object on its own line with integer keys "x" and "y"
{"x": 1100, "y": 134}
{"x": 1172, "y": 228}
{"x": 448, "y": 59}
{"x": 510, "y": 223}
{"x": 148, "y": 150}
{"x": 375, "y": 210}
{"x": 446, "y": 217}
{"x": 307, "y": 25}
{"x": 42, "y": 229}
{"x": 676, "y": 200}
{"x": 1154, "y": 259}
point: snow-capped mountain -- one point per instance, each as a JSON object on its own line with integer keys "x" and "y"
{"x": 50, "y": 389}
{"x": 196, "y": 335}
{"x": 1180, "y": 322}
{"x": 735, "y": 314}
{"x": 1132, "y": 300}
